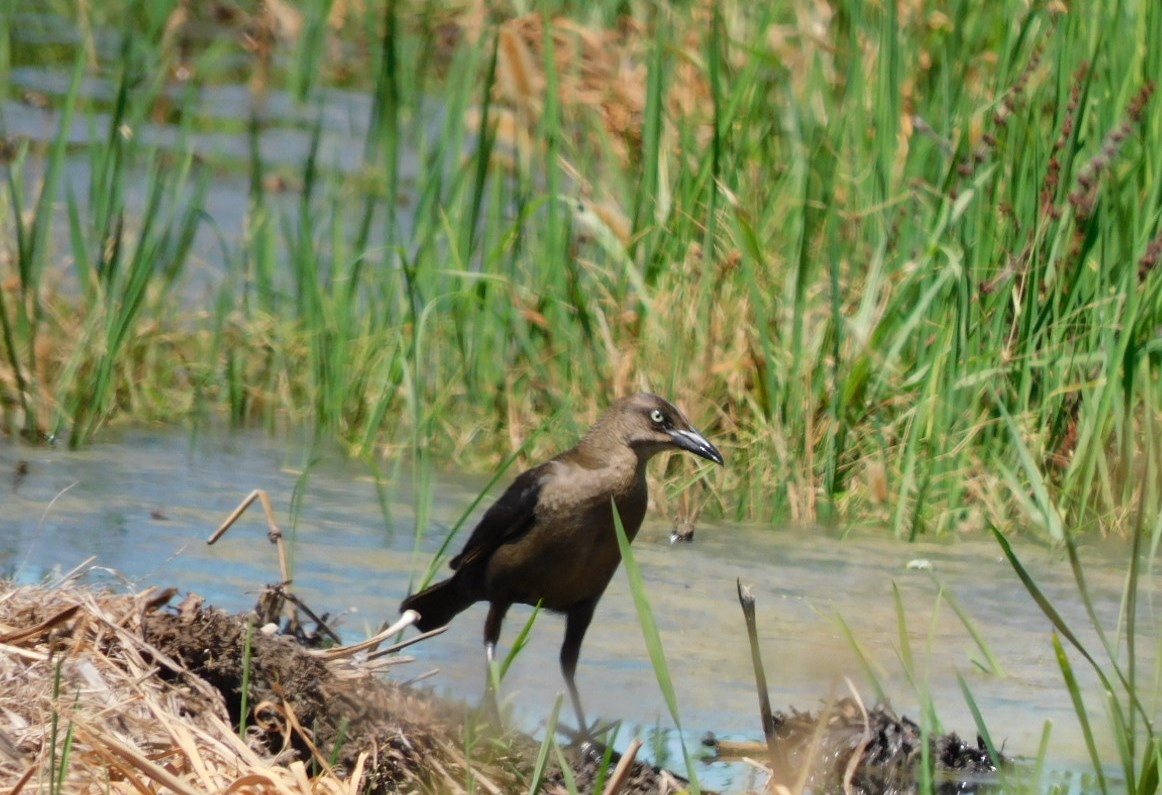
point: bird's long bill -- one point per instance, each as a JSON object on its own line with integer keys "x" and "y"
{"x": 696, "y": 443}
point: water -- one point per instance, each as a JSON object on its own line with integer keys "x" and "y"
{"x": 144, "y": 501}
{"x": 31, "y": 109}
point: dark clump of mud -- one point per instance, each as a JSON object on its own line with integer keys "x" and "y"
{"x": 304, "y": 707}
{"x": 847, "y": 748}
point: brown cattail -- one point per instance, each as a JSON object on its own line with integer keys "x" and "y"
{"x": 1085, "y": 195}
{"x": 1149, "y": 260}
{"x": 1053, "y": 174}
{"x": 1000, "y": 118}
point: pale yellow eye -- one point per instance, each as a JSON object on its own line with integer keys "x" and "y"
{"x": 656, "y": 416}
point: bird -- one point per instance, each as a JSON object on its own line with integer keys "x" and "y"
{"x": 550, "y": 538}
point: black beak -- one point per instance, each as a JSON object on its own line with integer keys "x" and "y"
{"x": 695, "y": 443}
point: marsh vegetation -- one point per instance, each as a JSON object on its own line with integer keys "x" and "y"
{"x": 898, "y": 260}
{"x": 901, "y": 257}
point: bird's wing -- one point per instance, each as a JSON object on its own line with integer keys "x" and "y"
{"x": 509, "y": 518}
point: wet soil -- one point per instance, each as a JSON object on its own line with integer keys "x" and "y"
{"x": 304, "y": 707}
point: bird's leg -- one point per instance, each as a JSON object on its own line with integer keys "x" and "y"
{"x": 496, "y": 611}
{"x": 576, "y": 623}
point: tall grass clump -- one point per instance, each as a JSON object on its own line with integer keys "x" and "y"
{"x": 867, "y": 246}
{"x": 1116, "y": 654}
{"x": 126, "y": 244}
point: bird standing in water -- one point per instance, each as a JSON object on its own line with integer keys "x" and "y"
{"x": 550, "y": 538}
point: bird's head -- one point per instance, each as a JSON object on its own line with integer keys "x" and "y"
{"x": 648, "y": 424}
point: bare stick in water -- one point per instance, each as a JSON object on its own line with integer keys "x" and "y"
{"x": 778, "y": 762}
{"x": 272, "y": 532}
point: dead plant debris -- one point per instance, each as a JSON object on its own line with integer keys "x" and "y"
{"x": 123, "y": 693}
{"x": 129, "y": 693}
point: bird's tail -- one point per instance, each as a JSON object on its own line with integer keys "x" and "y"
{"x": 438, "y": 604}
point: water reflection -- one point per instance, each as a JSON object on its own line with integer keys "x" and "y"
{"x": 144, "y": 503}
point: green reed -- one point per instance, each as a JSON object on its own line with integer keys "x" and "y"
{"x": 653, "y": 641}
{"x": 899, "y": 248}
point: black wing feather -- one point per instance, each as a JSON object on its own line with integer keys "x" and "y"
{"x": 510, "y": 517}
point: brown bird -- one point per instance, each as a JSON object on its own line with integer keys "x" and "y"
{"x": 550, "y": 538}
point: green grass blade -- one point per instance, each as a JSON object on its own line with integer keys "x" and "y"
{"x": 244, "y": 691}
{"x": 1079, "y": 709}
{"x": 566, "y": 770}
{"x": 865, "y": 661}
{"x": 518, "y": 643}
{"x": 541, "y": 765}
{"x": 981, "y": 727}
{"x": 905, "y": 650}
{"x": 652, "y": 638}
{"x": 993, "y": 664}
{"x": 1043, "y": 601}
{"x": 1033, "y": 474}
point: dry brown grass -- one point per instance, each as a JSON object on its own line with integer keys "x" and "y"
{"x": 83, "y": 702}
{"x": 121, "y": 693}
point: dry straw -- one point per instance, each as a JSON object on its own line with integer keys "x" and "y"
{"x": 83, "y": 703}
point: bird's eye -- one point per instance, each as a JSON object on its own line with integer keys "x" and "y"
{"x": 656, "y": 416}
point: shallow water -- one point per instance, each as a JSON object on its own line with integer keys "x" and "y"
{"x": 144, "y": 501}
{"x": 222, "y": 107}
